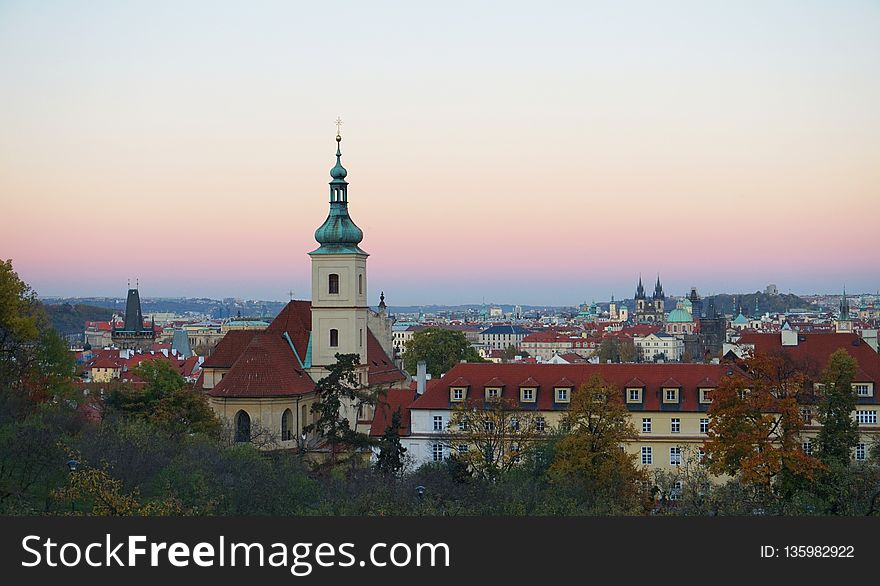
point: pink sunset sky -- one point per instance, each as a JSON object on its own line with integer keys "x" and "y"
{"x": 533, "y": 153}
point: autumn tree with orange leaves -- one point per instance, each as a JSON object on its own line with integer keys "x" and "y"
{"x": 756, "y": 423}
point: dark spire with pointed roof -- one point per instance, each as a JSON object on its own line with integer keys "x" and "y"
{"x": 640, "y": 290}
{"x": 382, "y": 300}
{"x": 658, "y": 289}
{"x": 844, "y": 307}
{"x": 134, "y": 318}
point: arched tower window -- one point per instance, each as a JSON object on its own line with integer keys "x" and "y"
{"x": 334, "y": 338}
{"x": 242, "y": 427}
{"x": 286, "y": 425}
{"x": 333, "y": 284}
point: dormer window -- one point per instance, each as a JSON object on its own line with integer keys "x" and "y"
{"x": 493, "y": 393}
{"x": 705, "y": 396}
{"x": 333, "y": 284}
{"x": 634, "y": 395}
{"x": 527, "y": 395}
{"x": 863, "y": 389}
{"x": 457, "y": 394}
{"x": 670, "y": 395}
{"x": 563, "y": 395}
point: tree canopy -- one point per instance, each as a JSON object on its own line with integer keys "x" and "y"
{"x": 440, "y": 349}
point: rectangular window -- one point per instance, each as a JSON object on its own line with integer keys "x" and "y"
{"x": 527, "y": 395}
{"x": 334, "y": 338}
{"x": 646, "y": 425}
{"x": 514, "y": 424}
{"x": 701, "y": 455}
{"x": 438, "y": 423}
{"x": 462, "y": 448}
{"x": 675, "y": 493}
{"x": 647, "y": 455}
{"x": 634, "y": 395}
{"x": 675, "y": 456}
{"x": 704, "y": 425}
{"x": 488, "y": 425}
{"x": 492, "y": 393}
{"x": 458, "y": 394}
{"x": 333, "y": 284}
{"x": 860, "y": 452}
{"x": 807, "y": 447}
{"x": 862, "y": 389}
{"x": 866, "y": 417}
{"x": 437, "y": 452}
{"x": 463, "y": 423}
{"x": 670, "y": 395}
{"x": 676, "y": 425}
{"x": 807, "y": 415}
{"x": 705, "y": 396}
{"x": 562, "y": 395}
{"x": 540, "y": 424}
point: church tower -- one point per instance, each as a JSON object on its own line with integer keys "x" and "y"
{"x": 844, "y": 323}
{"x": 339, "y": 280}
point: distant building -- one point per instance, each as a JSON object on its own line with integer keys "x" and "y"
{"x": 659, "y": 347}
{"x": 771, "y": 289}
{"x": 502, "y": 337}
{"x": 650, "y": 310}
{"x": 134, "y": 334}
{"x": 680, "y": 321}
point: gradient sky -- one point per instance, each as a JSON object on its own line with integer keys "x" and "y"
{"x": 521, "y": 152}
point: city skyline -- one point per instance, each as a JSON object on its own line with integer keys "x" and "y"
{"x": 514, "y": 154}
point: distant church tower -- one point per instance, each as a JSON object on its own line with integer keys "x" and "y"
{"x": 339, "y": 280}
{"x": 844, "y": 323}
{"x": 133, "y": 335}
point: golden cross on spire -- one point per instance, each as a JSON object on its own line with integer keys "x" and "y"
{"x": 338, "y": 125}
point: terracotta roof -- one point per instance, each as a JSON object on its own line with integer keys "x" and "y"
{"x": 296, "y": 320}
{"x": 495, "y": 382}
{"x": 460, "y": 381}
{"x": 563, "y": 382}
{"x": 229, "y": 348}
{"x": 266, "y": 368}
{"x": 530, "y": 382}
{"x": 545, "y": 375}
{"x": 387, "y": 405}
{"x": 814, "y": 349}
{"x": 381, "y": 368}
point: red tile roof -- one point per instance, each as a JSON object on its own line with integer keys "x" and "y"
{"x": 689, "y": 376}
{"x": 229, "y": 348}
{"x": 266, "y": 368}
{"x": 814, "y": 349}
{"x": 296, "y": 320}
{"x": 381, "y": 369}
{"x": 251, "y": 355}
{"x": 387, "y": 405}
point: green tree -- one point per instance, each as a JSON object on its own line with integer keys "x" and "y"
{"x": 338, "y": 386}
{"x": 609, "y": 350}
{"x": 166, "y": 401}
{"x": 390, "y": 460}
{"x": 440, "y": 349}
{"x": 589, "y": 454}
{"x": 511, "y": 352}
{"x": 840, "y": 432}
{"x": 34, "y": 363}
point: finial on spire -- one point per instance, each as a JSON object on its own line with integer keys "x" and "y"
{"x": 338, "y": 129}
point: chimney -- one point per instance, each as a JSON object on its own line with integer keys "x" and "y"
{"x": 421, "y": 377}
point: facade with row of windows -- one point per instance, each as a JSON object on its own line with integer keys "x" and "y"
{"x": 668, "y": 404}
